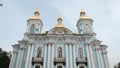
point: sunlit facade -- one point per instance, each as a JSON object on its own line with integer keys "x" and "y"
{"x": 59, "y": 47}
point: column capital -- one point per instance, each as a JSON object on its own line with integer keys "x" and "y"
{"x": 105, "y": 52}
{"x": 97, "y": 49}
{"x": 30, "y": 43}
{"x": 14, "y": 52}
{"x": 70, "y": 43}
{"x": 49, "y": 42}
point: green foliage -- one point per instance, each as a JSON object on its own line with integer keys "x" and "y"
{"x": 119, "y": 65}
{"x": 4, "y": 59}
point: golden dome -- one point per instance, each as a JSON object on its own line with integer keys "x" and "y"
{"x": 36, "y": 12}
{"x": 59, "y": 18}
{"x": 59, "y": 25}
{"x": 82, "y": 12}
{"x": 36, "y": 15}
{"x": 83, "y": 15}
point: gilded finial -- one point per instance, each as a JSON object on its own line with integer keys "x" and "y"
{"x": 36, "y": 12}
{"x": 36, "y": 15}
{"x": 83, "y": 15}
{"x": 82, "y": 12}
{"x": 59, "y": 24}
{"x": 59, "y": 19}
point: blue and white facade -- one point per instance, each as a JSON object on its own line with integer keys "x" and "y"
{"x": 59, "y": 47}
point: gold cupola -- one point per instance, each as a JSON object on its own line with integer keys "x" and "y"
{"x": 83, "y": 15}
{"x": 36, "y": 15}
{"x": 59, "y": 24}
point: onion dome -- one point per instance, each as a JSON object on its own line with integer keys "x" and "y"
{"x": 83, "y": 15}
{"x": 36, "y": 15}
{"x": 59, "y": 24}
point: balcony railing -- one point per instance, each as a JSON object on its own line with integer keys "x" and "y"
{"x": 81, "y": 60}
{"x": 37, "y": 60}
{"x": 59, "y": 60}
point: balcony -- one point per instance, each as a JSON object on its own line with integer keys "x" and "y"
{"x": 59, "y": 60}
{"x": 37, "y": 60}
{"x": 81, "y": 60}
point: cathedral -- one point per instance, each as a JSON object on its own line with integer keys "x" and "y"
{"x": 59, "y": 47}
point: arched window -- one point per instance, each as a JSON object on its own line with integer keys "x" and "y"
{"x": 32, "y": 30}
{"x": 37, "y": 66}
{"x": 59, "y": 67}
{"x": 60, "y": 52}
{"x": 87, "y": 28}
{"x": 81, "y": 67}
{"x": 80, "y": 52}
{"x": 81, "y": 27}
{"x": 39, "y": 52}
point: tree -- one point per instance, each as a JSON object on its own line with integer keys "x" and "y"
{"x": 4, "y": 59}
{"x": 119, "y": 65}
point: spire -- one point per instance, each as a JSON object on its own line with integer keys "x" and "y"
{"x": 59, "y": 24}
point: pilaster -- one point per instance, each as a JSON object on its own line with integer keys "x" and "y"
{"x": 52, "y": 63}
{"x": 88, "y": 56}
{"x": 48, "y": 55}
{"x": 45, "y": 49}
{"x": 30, "y": 58}
{"x": 28, "y": 54}
{"x": 74, "y": 50}
{"x": 18, "y": 59}
{"x": 67, "y": 66}
{"x": 92, "y": 59}
{"x": 70, "y": 48}
{"x": 99, "y": 62}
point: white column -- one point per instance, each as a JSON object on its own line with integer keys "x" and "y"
{"x": 19, "y": 54}
{"x": 48, "y": 56}
{"x": 101, "y": 58}
{"x": 20, "y": 58}
{"x": 92, "y": 59}
{"x": 52, "y": 63}
{"x": 99, "y": 62}
{"x": 88, "y": 57}
{"x": 74, "y": 56}
{"x": 45, "y": 55}
{"x": 30, "y": 58}
{"x": 12, "y": 60}
{"x": 107, "y": 60}
{"x": 27, "y": 59}
{"x": 67, "y": 56}
{"x": 70, "y": 48}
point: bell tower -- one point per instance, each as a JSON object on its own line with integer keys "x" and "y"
{"x": 84, "y": 23}
{"x": 34, "y": 25}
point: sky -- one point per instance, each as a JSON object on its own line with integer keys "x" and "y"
{"x": 105, "y": 13}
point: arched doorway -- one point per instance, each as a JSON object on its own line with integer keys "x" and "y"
{"x": 37, "y": 66}
{"x": 81, "y": 67}
{"x": 59, "y": 67}
{"x": 32, "y": 30}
